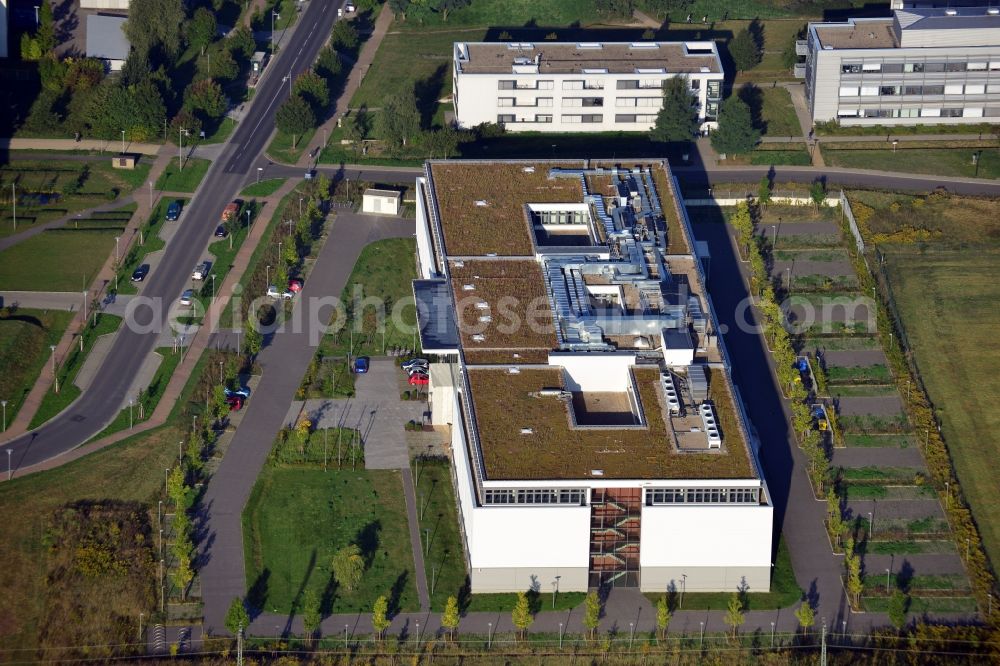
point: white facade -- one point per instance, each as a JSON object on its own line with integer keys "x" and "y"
{"x": 597, "y": 98}
{"x": 381, "y": 202}
{"x": 104, "y": 4}
{"x": 923, "y": 66}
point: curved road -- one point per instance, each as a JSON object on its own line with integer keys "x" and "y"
{"x": 226, "y": 177}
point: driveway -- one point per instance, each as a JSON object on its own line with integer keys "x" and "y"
{"x": 376, "y": 411}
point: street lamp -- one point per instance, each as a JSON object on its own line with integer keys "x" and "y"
{"x": 213, "y": 284}
{"x": 274, "y": 15}
{"x": 887, "y": 574}
{"x": 267, "y": 275}
{"x": 150, "y": 195}
{"x": 181, "y": 133}
{"x": 895, "y": 142}
{"x": 123, "y": 142}
{"x": 37, "y": 22}
{"x": 772, "y": 634}
{"x": 684, "y": 580}
{"x": 10, "y": 472}
{"x": 259, "y": 169}
{"x": 56, "y": 379}
{"x": 975, "y": 162}
{"x": 300, "y": 207}
{"x": 288, "y": 77}
{"x": 871, "y": 523}
{"x": 4, "y": 403}
{"x": 248, "y": 217}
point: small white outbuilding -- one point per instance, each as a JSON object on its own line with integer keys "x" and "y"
{"x": 381, "y": 202}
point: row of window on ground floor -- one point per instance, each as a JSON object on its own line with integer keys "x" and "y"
{"x": 587, "y": 118}
{"x": 937, "y": 112}
{"x": 893, "y": 90}
{"x": 653, "y": 496}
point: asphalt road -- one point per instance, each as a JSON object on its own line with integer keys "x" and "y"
{"x": 99, "y": 405}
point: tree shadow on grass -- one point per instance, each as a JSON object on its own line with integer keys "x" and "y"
{"x": 367, "y": 541}
{"x": 396, "y": 593}
{"x": 754, "y": 98}
{"x": 257, "y": 594}
{"x": 426, "y": 93}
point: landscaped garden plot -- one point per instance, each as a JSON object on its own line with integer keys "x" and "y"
{"x": 919, "y": 605}
{"x": 935, "y": 161}
{"x": 896, "y": 440}
{"x": 832, "y": 312}
{"x": 877, "y": 547}
{"x": 297, "y": 519}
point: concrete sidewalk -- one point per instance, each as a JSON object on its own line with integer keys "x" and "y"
{"x": 43, "y": 300}
{"x": 354, "y": 79}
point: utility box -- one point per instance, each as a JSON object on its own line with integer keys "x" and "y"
{"x": 124, "y": 161}
{"x": 381, "y": 202}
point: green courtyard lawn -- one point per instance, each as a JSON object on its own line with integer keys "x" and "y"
{"x": 436, "y": 511}
{"x": 264, "y": 188}
{"x": 57, "y": 260}
{"x": 25, "y": 337}
{"x": 297, "y": 518}
{"x": 777, "y": 113}
{"x": 282, "y": 149}
{"x": 951, "y": 348}
{"x": 175, "y": 179}
{"x": 53, "y": 402}
{"x": 50, "y": 189}
{"x": 933, "y": 161}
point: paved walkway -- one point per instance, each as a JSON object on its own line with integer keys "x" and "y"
{"x": 283, "y": 360}
{"x": 43, "y": 300}
{"x": 104, "y": 277}
{"x": 84, "y": 144}
{"x": 354, "y": 79}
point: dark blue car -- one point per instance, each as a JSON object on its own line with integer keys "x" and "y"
{"x": 173, "y": 211}
{"x": 361, "y": 365}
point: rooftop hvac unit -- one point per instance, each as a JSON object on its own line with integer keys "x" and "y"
{"x": 697, "y": 383}
{"x": 711, "y": 426}
{"x": 673, "y": 401}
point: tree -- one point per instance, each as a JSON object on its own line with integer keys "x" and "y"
{"x": 201, "y": 29}
{"x": 252, "y": 339}
{"x": 898, "y": 603}
{"x": 448, "y": 6}
{"x": 313, "y": 88}
{"x": 450, "y": 617}
{"x": 442, "y": 143}
{"x": 237, "y": 618}
{"x": 616, "y": 8}
{"x": 222, "y": 66}
{"x": 592, "y": 612}
{"x": 155, "y": 24}
{"x": 295, "y": 117}
{"x": 206, "y": 96}
{"x": 356, "y": 129}
{"x": 663, "y": 615}
{"x": 177, "y": 490}
{"x": 241, "y": 43}
{"x": 399, "y": 7}
{"x": 734, "y": 613}
{"x": 348, "y": 566}
{"x": 380, "y": 616}
{"x": 736, "y": 133}
{"x": 31, "y": 49}
{"x": 46, "y": 34}
{"x": 677, "y": 120}
{"x": 344, "y": 36}
{"x": 743, "y": 225}
{"x": 817, "y": 192}
{"x": 764, "y": 191}
{"x": 311, "y": 614}
{"x": 806, "y": 616}
{"x": 184, "y": 120}
{"x": 788, "y": 55}
{"x": 328, "y": 64}
{"x": 834, "y": 515}
{"x": 746, "y": 48}
{"x": 136, "y": 67}
{"x": 399, "y": 120}
{"x": 521, "y": 615}
{"x": 217, "y": 403}
{"x": 852, "y": 563}
{"x": 182, "y": 573}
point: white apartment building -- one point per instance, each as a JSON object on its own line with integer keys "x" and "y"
{"x": 924, "y": 65}
{"x": 586, "y": 87}
{"x": 596, "y": 434}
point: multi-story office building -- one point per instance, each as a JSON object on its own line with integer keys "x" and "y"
{"x": 596, "y": 433}
{"x": 588, "y": 87}
{"x": 920, "y": 66}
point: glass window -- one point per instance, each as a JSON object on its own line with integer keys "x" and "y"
{"x": 951, "y": 113}
{"x": 847, "y": 113}
{"x": 976, "y": 66}
{"x": 933, "y": 90}
{"x": 871, "y": 67}
{"x": 972, "y": 112}
{"x": 505, "y": 101}
{"x": 593, "y": 84}
{"x": 930, "y": 113}
{"x": 625, "y": 101}
{"x": 543, "y": 118}
{"x": 933, "y": 67}
{"x": 850, "y": 69}
{"x": 869, "y": 91}
{"x": 506, "y": 85}
{"x": 572, "y": 85}
{"x": 888, "y": 90}
{"x": 975, "y": 89}
{"x": 913, "y": 67}
{"x": 649, "y": 102}
{"x": 543, "y": 101}
{"x": 572, "y": 101}
{"x": 953, "y": 89}
{"x": 592, "y": 118}
{"x": 570, "y": 119}
{"x": 695, "y": 84}
{"x": 892, "y": 67}
{"x": 912, "y": 90}
{"x": 624, "y": 118}
{"x": 954, "y": 67}
{"x": 994, "y": 65}
{"x": 991, "y": 112}
{"x": 909, "y": 113}
{"x": 714, "y": 89}
{"x": 505, "y": 118}
{"x": 993, "y": 88}
{"x": 631, "y": 84}
{"x": 545, "y": 85}
{"x": 849, "y": 91}
{"x": 592, "y": 101}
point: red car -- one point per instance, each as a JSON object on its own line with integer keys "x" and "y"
{"x": 418, "y": 379}
{"x": 295, "y": 285}
{"x": 235, "y": 402}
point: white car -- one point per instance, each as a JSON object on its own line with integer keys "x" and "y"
{"x": 201, "y": 270}
{"x": 187, "y": 297}
{"x": 272, "y": 292}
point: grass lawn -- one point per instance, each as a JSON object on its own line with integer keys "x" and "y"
{"x": 27, "y": 504}
{"x": 53, "y": 402}
{"x": 71, "y": 259}
{"x": 777, "y": 113}
{"x": 25, "y": 337}
{"x": 878, "y": 440}
{"x": 436, "y": 509}
{"x": 384, "y": 272}
{"x": 264, "y": 188}
{"x": 781, "y": 157}
{"x": 297, "y": 518}
{"x": 151, "y": 395}
{"x": 187, "y": 180}
{"x": 947, "y": 299}
{"x": 934, "y": 161}
{"x": 784, "y": 590}
{"x": 281, "y": 149}
{"x": 921, "y": 605}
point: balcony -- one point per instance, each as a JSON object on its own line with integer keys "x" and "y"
{"x": 799, "y": 70}
{"x": 801, "y": 47}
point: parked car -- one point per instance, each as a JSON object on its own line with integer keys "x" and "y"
{"x": 173, "y": 211}
{"x": 187, "y": 297}
{"x": 139, "y": 274}
{"x": 235, "y": 402}
{"x": 361, "y": 365}
{"x": 272, "y": 292}
{"x": 221, "y": 231}
{"x": 310, "y": 174}
{"x": 295, "y": 285}
{"x": 241, "y": 392}
{"x": 200, "y": 271}
{"x": 419, "y": 379}
{"x": 415, "y": 363}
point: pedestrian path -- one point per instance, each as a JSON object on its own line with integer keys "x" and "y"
{"x": 111, "y": 147}
{"x": 354, "y": 79}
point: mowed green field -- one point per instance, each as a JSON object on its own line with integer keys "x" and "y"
{"x": 56, "y": 260}
{"x": 948, "y": 302}
{"x": 25, "y": 336}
